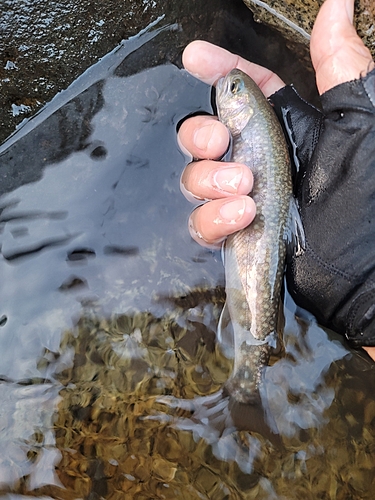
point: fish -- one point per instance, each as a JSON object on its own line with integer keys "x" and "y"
{"x": 254, "y": 258}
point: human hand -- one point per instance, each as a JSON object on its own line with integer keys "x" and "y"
{"x": 338, "y": 56}
{"x": 206, "y": 139}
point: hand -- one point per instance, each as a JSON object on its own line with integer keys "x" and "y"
{"x": 338, "y": 55}
{"x": 205, "y": 138}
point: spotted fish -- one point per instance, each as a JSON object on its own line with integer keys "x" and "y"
{"x": 254, "y": 258}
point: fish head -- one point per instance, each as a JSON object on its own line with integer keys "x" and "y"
{"x": 237, "y": 98}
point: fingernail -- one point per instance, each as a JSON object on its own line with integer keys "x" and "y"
{"x": 233, "y": 211}
{"x": 228, "y": 179}
{"x": 197, "y": 236}
{"x": 203, "y": 136}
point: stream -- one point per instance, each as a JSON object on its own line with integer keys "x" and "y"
{"x": 110, "y": 373}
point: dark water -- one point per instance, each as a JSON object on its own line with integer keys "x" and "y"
{"x": 110, "y": 374}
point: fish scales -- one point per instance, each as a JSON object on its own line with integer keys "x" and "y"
{"x": 254, "y": 258}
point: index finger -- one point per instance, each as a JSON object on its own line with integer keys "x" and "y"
{"x": 209, "y": 62}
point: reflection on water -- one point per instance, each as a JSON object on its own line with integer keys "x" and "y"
{"x": 111, "y": 378}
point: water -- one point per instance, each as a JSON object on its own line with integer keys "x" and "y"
{"x": 110, "y": 373}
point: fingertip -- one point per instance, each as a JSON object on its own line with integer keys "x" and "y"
{"x": 211, "y": 140}
{"x": 209, "y": 62}
{"x": 203, "y": 137}
{"x": 212, "y": 222}
{"x": 191, "y": 51}
{"x": 209, "y": 180}
{"x": 333, "y": 23}
{"x": 337, "y": 52}
{"x": 231, "y": 179}
{"x": 236, "y": 214}
{"x": 203, "y": 60}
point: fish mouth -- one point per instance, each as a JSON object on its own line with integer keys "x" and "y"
{"x": 220, "y": 87}
{"x": 220, "y": 84}
{"x": 220, "y": 90}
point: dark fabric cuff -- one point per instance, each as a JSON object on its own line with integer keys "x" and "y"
{"x": 302, "y": 125}
{"x": 356, "y": 95}
{"x": 335, "y": 277}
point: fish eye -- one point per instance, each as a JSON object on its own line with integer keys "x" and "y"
{"x": 236, "y": 85}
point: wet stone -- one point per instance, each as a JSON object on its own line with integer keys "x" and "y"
{"x": 46, "y": 45}
{"x": 295, "y": 18}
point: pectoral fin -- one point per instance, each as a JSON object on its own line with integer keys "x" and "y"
{"x": 294, "y": 233}
{"x": 225, "y": 334}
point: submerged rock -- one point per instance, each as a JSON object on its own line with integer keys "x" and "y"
{"x": 295, "y": 18}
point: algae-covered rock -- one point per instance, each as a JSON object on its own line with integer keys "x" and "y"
{"x": 295, "y": 18}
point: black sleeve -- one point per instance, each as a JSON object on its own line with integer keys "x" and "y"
{"x": 302, "y": 124}
{"x": 334, "y": 277}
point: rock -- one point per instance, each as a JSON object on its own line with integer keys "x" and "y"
{"x": 295, "y": 18}
{"x": 44, "y": 47}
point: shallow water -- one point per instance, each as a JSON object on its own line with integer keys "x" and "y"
{"x": 110, "y": 373}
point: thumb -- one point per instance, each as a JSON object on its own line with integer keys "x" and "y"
{"x": 337, "y": 52}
